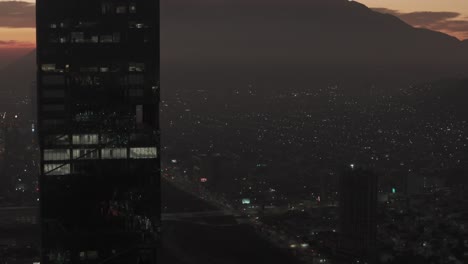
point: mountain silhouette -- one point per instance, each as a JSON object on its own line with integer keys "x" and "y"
{"x": 323, "y": 32}
{"x": 17, "y": 79}
{"x": 302, "y": 43}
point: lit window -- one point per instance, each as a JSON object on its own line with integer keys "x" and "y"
{"x": 114, "y": 153}
{"x": 77, "y": 37}
{"x": 114, "y": 38}
{"x": 121, "y": 9}
{"x": 56, "y": 154}
{"x": 85, "y": 154}
{"x": 88, "y": 255}
{"x": 107, "y": 39}
{"x": 133, "y": 24}
{"x": 48, "y": 67}
{"x": 143, "y": 153}
{"x": 53, "y": 25}
{"x": 132, "y": 8}
{"x": 88, "y": 139}
{"x": 56, "y": 169}
{"x": 106, "y": 8}
{"x": 136, "y": 67}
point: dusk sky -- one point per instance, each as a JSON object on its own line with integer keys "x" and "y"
{"x": 449, "y": 16}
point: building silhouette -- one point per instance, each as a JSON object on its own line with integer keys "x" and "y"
{"x": 358, "y": 213}
{"x": 98, "y": 101}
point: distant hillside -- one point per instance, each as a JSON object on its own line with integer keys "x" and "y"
{"x": 325, "y": 32}
{"x": 227, "y": 44}
{"x": 304, "y": 44}
{"x": 17, "y": 78}
{"x": 10, "y": 55}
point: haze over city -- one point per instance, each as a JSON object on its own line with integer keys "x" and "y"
{"x": 234, "y": 131}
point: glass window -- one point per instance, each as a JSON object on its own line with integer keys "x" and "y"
{"x": 88, "y": 69}
{"x": 48, "y": 67}
{"x": 77, "y": 37}
{"x": 116, "y": 37}
{"x": 143, "y": 153}
{"x": 106, "y": 39}
{"x": 57, "y": 140}
{"x": 111, "y": 38}
{"x": 106, "y": 8}
{"x": 85, "y": 154}
{"x": 56, "y": 154}
{"x": 92, "y": 254}
{"x": 52, "y": 123}
{"x": 53, "y": 80}
{"x": 53, "y": 107}
{"x": 136, "y": 67}
{"x": 135, "y": 79}
{"x": 134, "y": 24}
{"x": 121, "y": 9}
{"x": 53, "y": 38}
{"x": 139, "y": 114}
{"x": 136, "y": 92}
{"x": 85, "y": 139}
{"x": 132, "y": 8}
{"x": 114, "y": 153}
{"x": 56, "y": 169}
{"x": 53, "y": 94}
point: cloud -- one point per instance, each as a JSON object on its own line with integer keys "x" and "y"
{"x": 17, "y": 14}
{"x": 15, "y": 44}
{"x": 448, "y": 22}
{"x": 428, "y": 18}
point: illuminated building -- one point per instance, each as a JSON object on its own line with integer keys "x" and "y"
{"x": 358, "y": 213}
{"x": 98, "y": 101}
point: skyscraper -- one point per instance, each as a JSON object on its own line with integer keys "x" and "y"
{"x": 98, "y": 101}
{"x": 358, "y": 213}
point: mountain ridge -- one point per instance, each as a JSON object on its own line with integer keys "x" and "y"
{"x": 309, "y": 41}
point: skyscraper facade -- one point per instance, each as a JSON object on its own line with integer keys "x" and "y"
{"x": 358, "y": 213}
{"x": 98, "y": 105}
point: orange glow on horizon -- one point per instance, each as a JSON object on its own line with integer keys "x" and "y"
{"x": 17, "y": 38}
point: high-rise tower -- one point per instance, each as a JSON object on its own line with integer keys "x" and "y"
{"x": 358, "y": 213}
{"x": 98, "y": 101}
